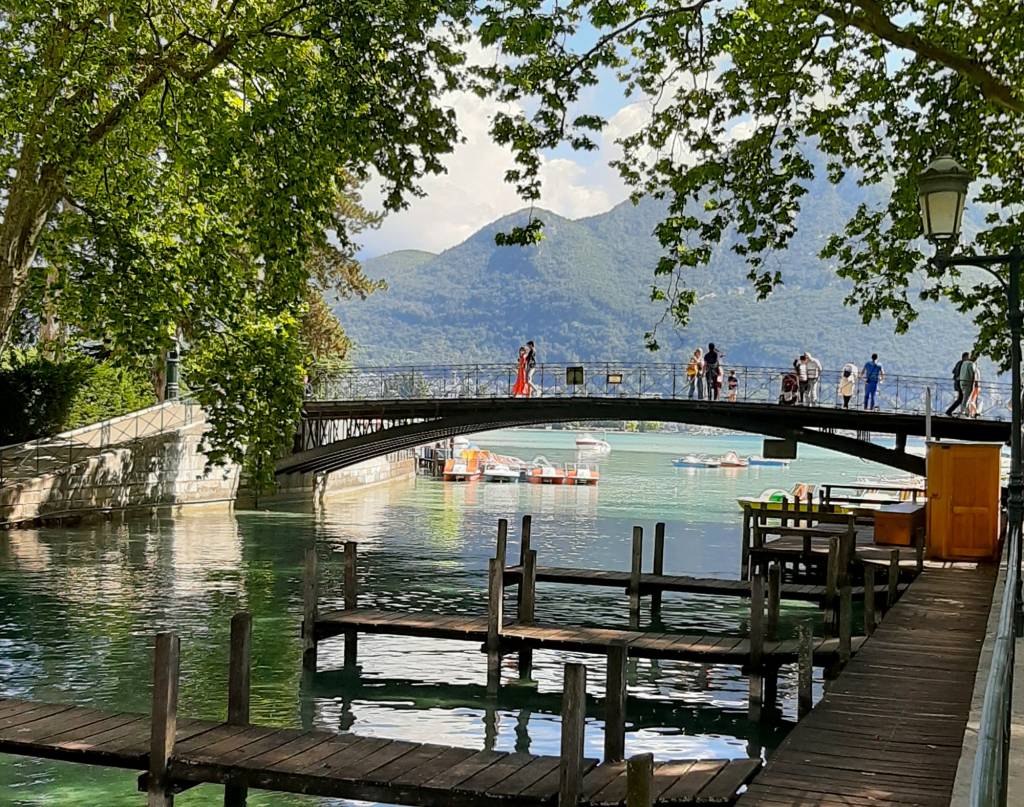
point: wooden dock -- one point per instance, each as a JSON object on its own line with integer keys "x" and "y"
{"x": 175, "y": 755}
{"x": 706, "y": 648}
{"x": 889, "y": 730}
{"x": 651, "y": 583}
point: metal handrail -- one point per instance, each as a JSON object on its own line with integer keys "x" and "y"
{"x": 991, "y": 761}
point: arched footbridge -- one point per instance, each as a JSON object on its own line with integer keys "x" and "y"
{"x": 368, "y": 412}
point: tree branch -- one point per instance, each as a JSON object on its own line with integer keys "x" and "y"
{"x": 873, "y": 20}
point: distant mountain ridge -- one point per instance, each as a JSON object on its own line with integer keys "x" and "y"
{"x": 583, "y": 293}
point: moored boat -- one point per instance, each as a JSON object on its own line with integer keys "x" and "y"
{"x": 773, "y": 498}
{"x": 499, "y": 472}
{"x": 763, "y": 462}
{"x": 582, "y": 474}
{"x": 543, "y": 472}
{"x": 732, "y": 460}
{"x": 696, "y": 461}
{"x": 462, "y": 469}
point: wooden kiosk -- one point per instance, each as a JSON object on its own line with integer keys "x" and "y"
{"x": 963, "y": 501}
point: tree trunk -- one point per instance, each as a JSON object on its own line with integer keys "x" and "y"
{"x": 33, "y": 193}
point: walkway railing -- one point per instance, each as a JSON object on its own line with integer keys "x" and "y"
{"x": 21, "y": 461}
{"x": 991, "y": 762}
{"x": 896, "y": 393}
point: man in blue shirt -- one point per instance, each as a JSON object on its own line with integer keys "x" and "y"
{"x": 872, "y": 375}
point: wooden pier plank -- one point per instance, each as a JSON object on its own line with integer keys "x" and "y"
{"x": 889, "y": 731}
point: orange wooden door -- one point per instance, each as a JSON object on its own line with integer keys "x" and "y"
{"x": 963, "y": 501}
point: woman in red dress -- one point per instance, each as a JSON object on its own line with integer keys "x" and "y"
{"x": 521, "y": 389}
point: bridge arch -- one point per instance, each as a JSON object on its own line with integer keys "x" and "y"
{"x": 389, "y": 426}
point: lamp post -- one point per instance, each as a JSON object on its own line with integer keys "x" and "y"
{"x": 942, "y": 188}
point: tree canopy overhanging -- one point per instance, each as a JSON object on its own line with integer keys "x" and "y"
{"x": 739, "y": 91}
{"x": 173, "y": 167}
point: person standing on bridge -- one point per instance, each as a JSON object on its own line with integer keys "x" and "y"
{"x": 800, "y": 367}
{"x": 873, "y": 374}
{"x": 968, "y": 380}
{"x": 957, "y": 386}
{"x": 521, "y": 389}
{"x": 848, "y": 383}
{"x": 813, "y": 378}
{"x": 695, "y": 374}
{"x": 531, "y": 367}
{"x": 712, "y": 372}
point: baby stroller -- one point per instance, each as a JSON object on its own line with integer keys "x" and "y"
{"x": 790, "y": 389}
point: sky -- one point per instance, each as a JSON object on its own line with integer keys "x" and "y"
{"x": 473, "y": 192}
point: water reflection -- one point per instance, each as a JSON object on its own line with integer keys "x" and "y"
{"x": 79, "y": 608}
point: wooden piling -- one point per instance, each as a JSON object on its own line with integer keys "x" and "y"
{"x": 351, "y": 584}
{"x": 309, "y": 613}
{"x": 501, "y": 544}
{"x": 574, "y": 711}
{"x": 524, "y": 538}
{"x": 845, "y": 623}
{"x": 495, "y": 621}
{"x": 745, "y": 545}
{"x": 774, "y": 600}
{"x": 528, "y": 588}
{"x": 810, "y": 507}
{"x": 658, "y": 568}
{"x": 615, "y": 703}
{"x": 919, "y": 540}
{"x": 784, "y": 519}
{"x": 805, "y": 668}
{"x": 239, "y": 667}
{"x": 164, "y": 719}
{"x": 894, "y": 578}
{"x": 756, "y": 679}
{"x": 640, "y": 780}
{"x": 870, "y": 619}
{"x": 636, "y": 568}
{"x": 831, "y": 582}
{"x": 847, "y": 552}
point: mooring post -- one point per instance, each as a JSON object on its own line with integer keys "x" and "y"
{"x": 845, "y": 623}
{"x": 495, "y": 603}
{"x": 870, "y": 620}
{"x": 635, "y": 571}
{"x": 658, "y": 568}
{"x": 774, "y": 600}
{"x": 526, "y": 609}
{"x": 640, "y": 780}
{"x": 309, "y": 598}
{"x": 831, "y": 582}
{"x": 524, "y": 548}
{"x": 847, "y": 551}
{"x": 164, "y": 720}
{"x": 805, "y": 668}
{"x": 501, "y": 544}
{"x": 810, "y": 507}
{"x": 894, "y": 578}
{"x": 574, "y": 712}
{"x": 745, "y": 545}
{"x": 615, "y": 702}
{"x": 239, "y": 667}
{"x": 351, "y": 602}
{"x": 784, "y": 519}
{"x": 756, "y": 646}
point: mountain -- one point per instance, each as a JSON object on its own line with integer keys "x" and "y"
{"x": 583, "y": 294}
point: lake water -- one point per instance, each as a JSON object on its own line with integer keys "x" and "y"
{"x": 79, "y": 608}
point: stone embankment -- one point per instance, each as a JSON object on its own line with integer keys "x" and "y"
{"x": 150, "y": 460}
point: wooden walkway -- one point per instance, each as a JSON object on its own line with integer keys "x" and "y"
{"x": 889, "y": 730}
{"x": 345, "y": 765}
{"x": 708, "y": 648}
{"x": 680, "y": 584}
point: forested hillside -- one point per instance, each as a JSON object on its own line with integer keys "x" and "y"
{"x": 584, "y": 293}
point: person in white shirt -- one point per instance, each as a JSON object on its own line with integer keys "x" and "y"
{"x": 813, "y": 378}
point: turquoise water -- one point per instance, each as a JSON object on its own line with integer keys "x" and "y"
{"x": 79, "y": 608}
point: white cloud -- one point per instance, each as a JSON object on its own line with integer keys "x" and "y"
{"x": 474, "y": 193}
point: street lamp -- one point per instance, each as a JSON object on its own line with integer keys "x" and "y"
{"x": 942, "y": 189}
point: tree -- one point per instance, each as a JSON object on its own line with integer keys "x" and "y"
{"x": 740, "y": 91}
{"x": 179, "y": 163}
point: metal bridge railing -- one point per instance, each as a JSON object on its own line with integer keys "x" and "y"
{"x": 896, "y": 393}
{"x": 991, "y": 761}
{"x": 45, "y": 455}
